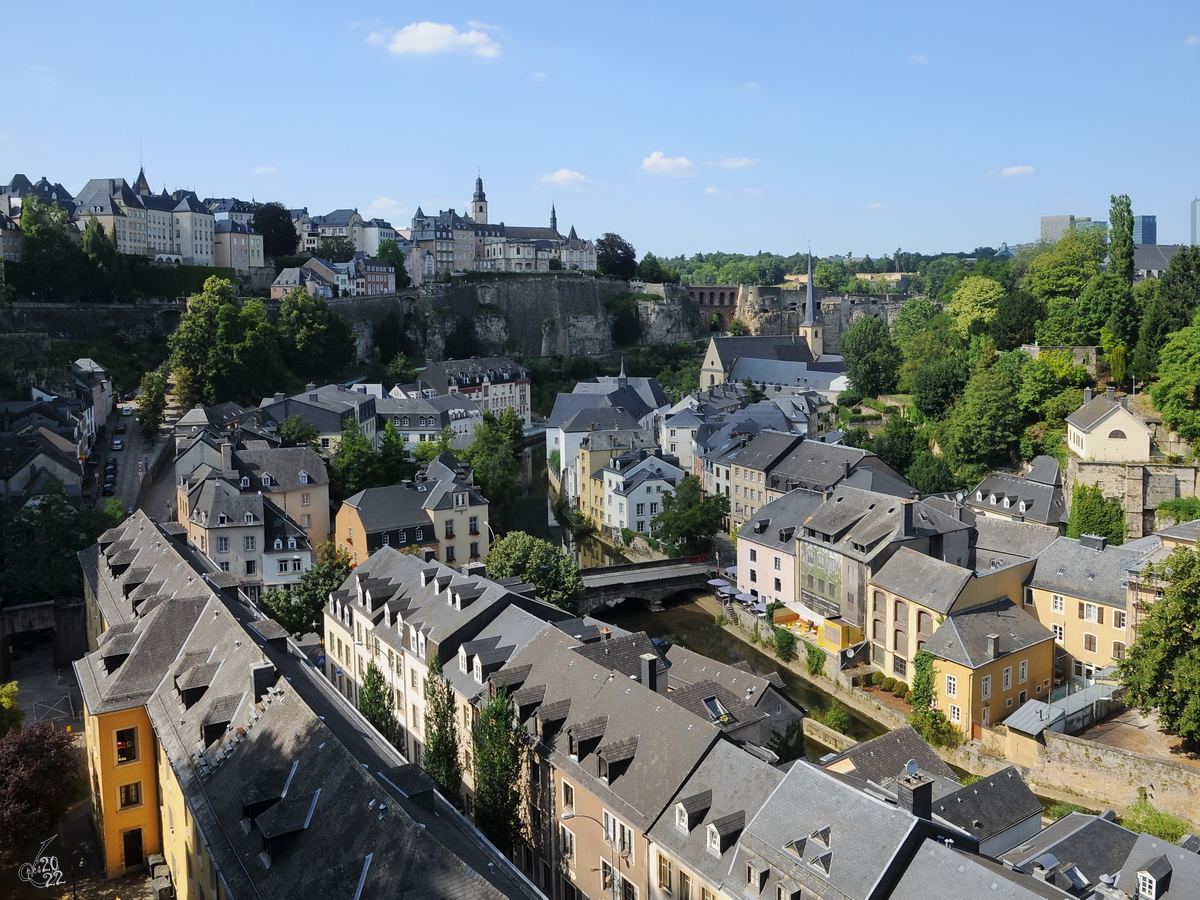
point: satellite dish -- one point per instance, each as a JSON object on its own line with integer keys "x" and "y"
{"x": 910, "y": 768}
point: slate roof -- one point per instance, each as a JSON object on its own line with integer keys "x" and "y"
{"x": 785, "y": 347}
{"x": 883, "y": 758}
{"x": 1096, "y": 410}
{"x": 440, "y": 374}
{"x": 783, "y": 372}
{"x": 688, "y": 667}
{"x": 671, "y": 742}
{"x": 938, "y": 872}
{"x": 623, "y": 654}
{"x": 1068, "y": 567}
{"x": 962, "y": 637}
{"x": 284, "y": 465}
{"x": 1176, "y": 870}
{"x": 1184, "y": 531}
{"x": 817, "y": 466}
{"x": 1095, "y": 845}
{"x": 998, "y": 542}
{"x": 738, "y": 710}
{"x": 871, "y": 520}
{"x": 777, "y": 525}
{"x": 990, "y": 805}
{"x": 728, "y": 781}
{"x": 1044, "y": 503}
{"x": 930, "y": 582}
{"x": 1154, "y": 257}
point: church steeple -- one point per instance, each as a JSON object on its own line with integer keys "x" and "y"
{"x": 809, "y": 329}
{"x": 553, "y": 218}
{"x": 622, "y": 381}
{"x": 808, "y": 298}
{"x": 479, "y": 203}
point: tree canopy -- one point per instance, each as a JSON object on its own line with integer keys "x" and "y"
{"x": 38, "y": 782}
{"x": 499, "y": 752}
{"x": 535, "y": 561}
{"x": 441, "y": 756}
{"x": 336, "y": 249}
{"x": 274, "y": 223}
{"x": 1176, "y": 394}
{"x": 872, "y": 358}
{"x": 391, "y": 253}
{"x": 688, "y": 520}
{"x": 1161, "y": 668}
{"x": 615, "y": 256}
{"x": 315, "y": 341}
{"x": 1093, "y": 513}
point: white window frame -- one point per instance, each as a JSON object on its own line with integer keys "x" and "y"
{"x": 951, "y": 686}
{"x": 1058, "y": 632}
{"x": 1023, "y": 672}
{"x": 1007, "y": 678}
{"x": 1118, "y": 617}
{"x": 1057, "y": 604}
{"x": 985, "y": 687}
{"x": 955, "y": 714}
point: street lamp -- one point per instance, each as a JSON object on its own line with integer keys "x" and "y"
{"x": 75, "y": 869}
{"x": 612, "y": 868}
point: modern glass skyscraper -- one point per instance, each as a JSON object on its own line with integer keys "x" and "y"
{"x": 1145, "y": 229}
{"x": 1196, "y": 221}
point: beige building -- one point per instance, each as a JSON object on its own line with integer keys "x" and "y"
{"x": 119, "y": 209}
{"x": 237, "y": 246}
{"x": 1104, "y": 430}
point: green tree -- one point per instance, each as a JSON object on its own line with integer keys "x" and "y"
{"x": 317, "y": 583}
{"x": 615, "y": 256}
{"x": 152, "y": 404}
{"x": 11, "y": 714}
{"x": 499, "y": 749}
{"x": 314, "y": 340}
{"x": 440, "y": 758}
{"x": 1016, "y": 320}
{"x": 376, "y": 703}
{"x": 929, "y": 474}
{"x": 511, "y": 426}
{"x": 976, "y": 303}
{"x": 984, "y": 429}
{"x": 394, "y": 462}
{"x": 439, "y": 442}
{"x": 1118, "y": 364}
{"x": 392, "y": 254}
{"x": 1161, "y": 668}
{"x": 51, "y": 256}
{"x": 831, "y": 274}
{"x": 1176, "y": 394}
{"x": 337, "y": 249}
{"x": 650, "y": 269}
{"x": 1180, "y": 284}
{"x": 1093, "y": 513}
{"x": 1160, "y": 319}
{"x": 100, "y": 248}
{"x": 1120, "y": 238}
{"x": 1107, "y": 301}
{"x": 194, "y": 343}
{"x": 494, "y": 462}
{"x": 274, "y": 223}
{"x": 788, "y": 744}
{"x": 688, "y": 520}
{"x": 738, "y": 328}
{"x": 933, "y": 274}
{"x": 897, "y": 444}
{"x": 814, "y": 659}
{"x": 785, "y": 644}
{"x": 936, "y": 386}
{"x": 535, "y": 561}
{"x": 923, "y": 680}
{"x": 286, "y": 609}
{"x": 872, "y": 359}
{"x": 297, "y": 432}
{"x": 913, "y": 319}
{"x": 859, "y": 438}
{"x": 754, "y": 394}
{"x": 355, "y": 464}
{"x": 1065, "y": 269}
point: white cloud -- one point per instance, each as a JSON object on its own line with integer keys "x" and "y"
{"x": 539, "y": 74}
{"x": 657, "y": 164}
{"x": 565, "y": 177}
{"x": 712, "y": 190}
{"x": 484, "y": 25}
{"x": 738, "y": 163}
{"x": 264, "y": 170}
{"x": 920, "y": 59}
{"x": 877, "y": 206}
{"x": 423, "y": 38}
{"x": 386, "y": 208}
{"x": 351, "y": 25}
{"x": 1192, "y": 40}
{"x": 1016, "y": 171}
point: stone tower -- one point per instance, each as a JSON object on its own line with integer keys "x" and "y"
{"x": 479, "y": 203}
{"x": 809, "y": 329}
{"x": 553, "y": 219}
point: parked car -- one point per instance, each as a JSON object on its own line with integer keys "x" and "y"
{"x": 110, "y": 471}
{"x": 121, "y": 428}
{"x": 127, "y": 410}
{"x": 118, "y": 444}
{"x": 109, "y": 489}
{"x": 110, "y": 461}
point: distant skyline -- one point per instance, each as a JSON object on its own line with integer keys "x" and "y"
{"x": 686, "y": 128}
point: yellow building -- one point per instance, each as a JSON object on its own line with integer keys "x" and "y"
{"x": 989, "y": 660}
{"x": 913, "y": 593}
{"x": 1077, "y": 591}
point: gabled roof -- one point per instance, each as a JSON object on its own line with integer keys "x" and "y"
{"x": 991, "y": 805}
{"x": 963, "y": 636}
{"x": 1089, "y": 416}
{"x": 778, "y": 524}
{"x": 786, "y": 347}
{"x": 938, "y": 872}
{"x": 922, "y": 579}
{"x": 1044, "y": 503}
{"x": 1175, "y": 870}
{"x": 884, "y": 758}
{"x": 1069, "y": 567}
{"x": 623, "y": 654}
{"x": 1095, "y": 845}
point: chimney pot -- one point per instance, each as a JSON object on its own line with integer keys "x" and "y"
{"x": 993, "y": 645}
{"x": 1087, "y": 395}
{"x": 915, "y": 794}
{"x": 1110, "y": 392}
{"x": 650, "y": 671}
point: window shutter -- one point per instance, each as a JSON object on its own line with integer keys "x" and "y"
{"x": 1100, "y": 615}
{"x": 1081, "y": 609}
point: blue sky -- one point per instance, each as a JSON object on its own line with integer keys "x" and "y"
{"x": 698, "y": 126}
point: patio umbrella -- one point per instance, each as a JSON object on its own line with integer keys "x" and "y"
{"x": 745, "y": 598}
{"x": 718, "y": 582}
{"x": 731, "y": 570}
{"x": 759, "y": 607}
{"x": 728, "y": 589}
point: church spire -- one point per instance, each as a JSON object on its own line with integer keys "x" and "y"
{"x": 622, "y": 381}
{"x": 808, "y": 301}
{"x": 553, "y": 218}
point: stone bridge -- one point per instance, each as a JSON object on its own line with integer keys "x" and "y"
{"x": 650, "y": 582}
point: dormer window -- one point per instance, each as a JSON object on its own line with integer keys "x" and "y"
{"x": 1146, "y": 885}
{"x": 222, "y": 519}
{"x": 420, "y": 534}
{"x": 714, "y": 841}
{"x": 421, "y": 645}
{"x": 291, "y": 543}
{"x": 478, "y": 670}
{"x": 245, "y": 481}
{"x": 304, "y": 478}
{"x": 462, "y": 659}
{"x": 266, "y": 479}
{"x": 681, "y": 818}
{"x": 278, "y": 543}
{"x": 1021, "y": 507}
{"x": 249, "y": 518}
{"x": 1007, "y": 502}
{"x": 460, "y": 499}
{"x": 979, "y": 496}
